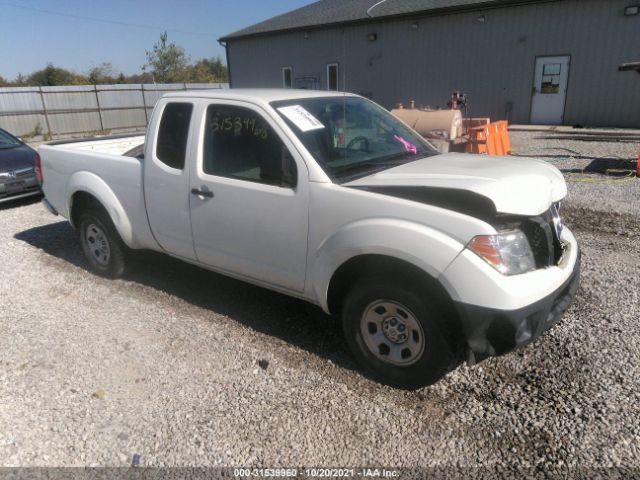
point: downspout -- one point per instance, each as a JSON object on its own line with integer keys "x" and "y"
{"x": 226, "y": 53}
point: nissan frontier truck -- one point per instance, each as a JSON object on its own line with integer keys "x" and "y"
{"x": 430, "y": 259}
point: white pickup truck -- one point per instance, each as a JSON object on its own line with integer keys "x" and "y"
{"x": 430, "y": 259}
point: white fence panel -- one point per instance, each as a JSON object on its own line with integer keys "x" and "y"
{"x": 123, "y": 119}
{"x": 83, "y": 109}
{"x": 121, "y": 98}
{"x": 75, "y": 123}
{"x": 20, "y": 101}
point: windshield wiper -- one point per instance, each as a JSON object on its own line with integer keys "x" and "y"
{"x": 370, "y": 167}
{"x": 389, "y": 161}
{"x": 358, "y": 167}
{"x": 404, "y": 157}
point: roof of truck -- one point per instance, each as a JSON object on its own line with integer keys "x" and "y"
{"x": 263, "y": 94}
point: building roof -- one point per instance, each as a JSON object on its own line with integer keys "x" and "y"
{"x": 335, "y": 12}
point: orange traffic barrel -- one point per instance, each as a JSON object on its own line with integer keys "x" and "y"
{"x": 492, "y": 139}
{"x": 503, "y": 127}
{"x": 494, "y": 145}
{"x": 478, "y": 137}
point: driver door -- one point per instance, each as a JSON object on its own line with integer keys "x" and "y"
{"x": 249, "y": 197}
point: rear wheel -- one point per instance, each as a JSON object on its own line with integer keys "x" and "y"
{"x": 104, "y": 249}
{"x": 394, "y": 331}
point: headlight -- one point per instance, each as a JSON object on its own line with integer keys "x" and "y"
{"x": 507, "y": 252}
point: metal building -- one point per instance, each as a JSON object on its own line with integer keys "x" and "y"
{"x": 528, "y": 61}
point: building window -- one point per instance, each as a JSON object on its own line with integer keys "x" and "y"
{"x": 287, "y": 77}
{"x": 240, "y": 144}
{"x": 173, "y": 132}
{"x": 332, "y": 76}
{"x": 551, "y": 78}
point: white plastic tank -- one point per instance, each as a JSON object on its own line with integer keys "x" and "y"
{"x": 431, "y": 123}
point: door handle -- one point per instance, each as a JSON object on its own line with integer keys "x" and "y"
{"x": 202, "y": 193}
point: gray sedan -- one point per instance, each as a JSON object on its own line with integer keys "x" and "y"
{"x": 17, "y": 168}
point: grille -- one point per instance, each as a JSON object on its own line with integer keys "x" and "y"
{"x": 23, "y": 172}
{"x": 543, "y": 238}
{"x": 538, "y": 233}
{"x": 542, "y": 234}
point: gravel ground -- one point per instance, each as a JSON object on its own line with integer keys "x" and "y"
{"x": 576, "y": 152}
{"x": 189, "y": 368}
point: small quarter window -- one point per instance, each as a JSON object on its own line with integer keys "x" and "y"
{"x": 171, "y": 146}
{"x": 239, "y": 143}
{"x": 287, "y": 77}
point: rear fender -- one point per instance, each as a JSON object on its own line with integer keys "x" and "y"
{"x": 425, "y": 248}
{"x": 88, "y": 182}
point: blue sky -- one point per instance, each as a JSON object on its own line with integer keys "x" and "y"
{"x": 30, "y": 37}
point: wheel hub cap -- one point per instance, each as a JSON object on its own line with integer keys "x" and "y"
{"x": 394, "y": 329}
{"x": 98, "y": 244}
{"x": 392, "y": 333}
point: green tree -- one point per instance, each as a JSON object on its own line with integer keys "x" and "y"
{"x": 167, "y": 62}
{"x": 52, "y": 76}
{"x": 3, "y": 82}
{"x": 208, "y": 70}
{"x": 199, "y": 73}
{"x": 139, "y": 78}
{"x": 103, "y": 74}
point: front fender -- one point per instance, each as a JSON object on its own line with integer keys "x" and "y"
{"x": 88, "y": 182}
{"x": 426, "y": 248}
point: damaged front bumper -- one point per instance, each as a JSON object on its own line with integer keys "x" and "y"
{"x": 491, "y": 332}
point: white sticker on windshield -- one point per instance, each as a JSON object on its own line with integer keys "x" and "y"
{"x": 301, "y": 118}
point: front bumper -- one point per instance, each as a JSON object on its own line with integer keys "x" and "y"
{"x": 491, "y": 332}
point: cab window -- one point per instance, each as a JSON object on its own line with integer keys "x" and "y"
{"x": 240, "y": 144}
{"x": 173, "y": 133}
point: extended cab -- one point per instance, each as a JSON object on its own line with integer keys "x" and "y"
{"x": 429, "y": 258}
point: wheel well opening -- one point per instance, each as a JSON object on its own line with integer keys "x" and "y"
{"x": 80, "y": 202}
{"x": 379, "y": 265}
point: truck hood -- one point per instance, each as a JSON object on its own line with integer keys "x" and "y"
{"x": 515, "y": 186}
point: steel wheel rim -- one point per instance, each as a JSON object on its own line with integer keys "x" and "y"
{"x": 392, "y": 333}
{"x": 97, "y": 244}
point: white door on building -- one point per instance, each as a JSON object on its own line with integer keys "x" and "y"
{"x": 549, "y": 90}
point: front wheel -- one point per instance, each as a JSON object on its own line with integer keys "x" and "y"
{"x": 101, "y": 243}
{"x": 394, "y": 332}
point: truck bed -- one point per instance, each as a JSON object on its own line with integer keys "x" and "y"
{"x": 115, "y": 145}
{"x": 100, "y": 168}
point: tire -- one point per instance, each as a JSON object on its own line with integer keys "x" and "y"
{"x": 103, "y": 248}
{"x": 411, "y": 353}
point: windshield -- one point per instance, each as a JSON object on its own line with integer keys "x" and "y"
{"x": 351, "y": 137}
{"x": 8, "y": 141}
